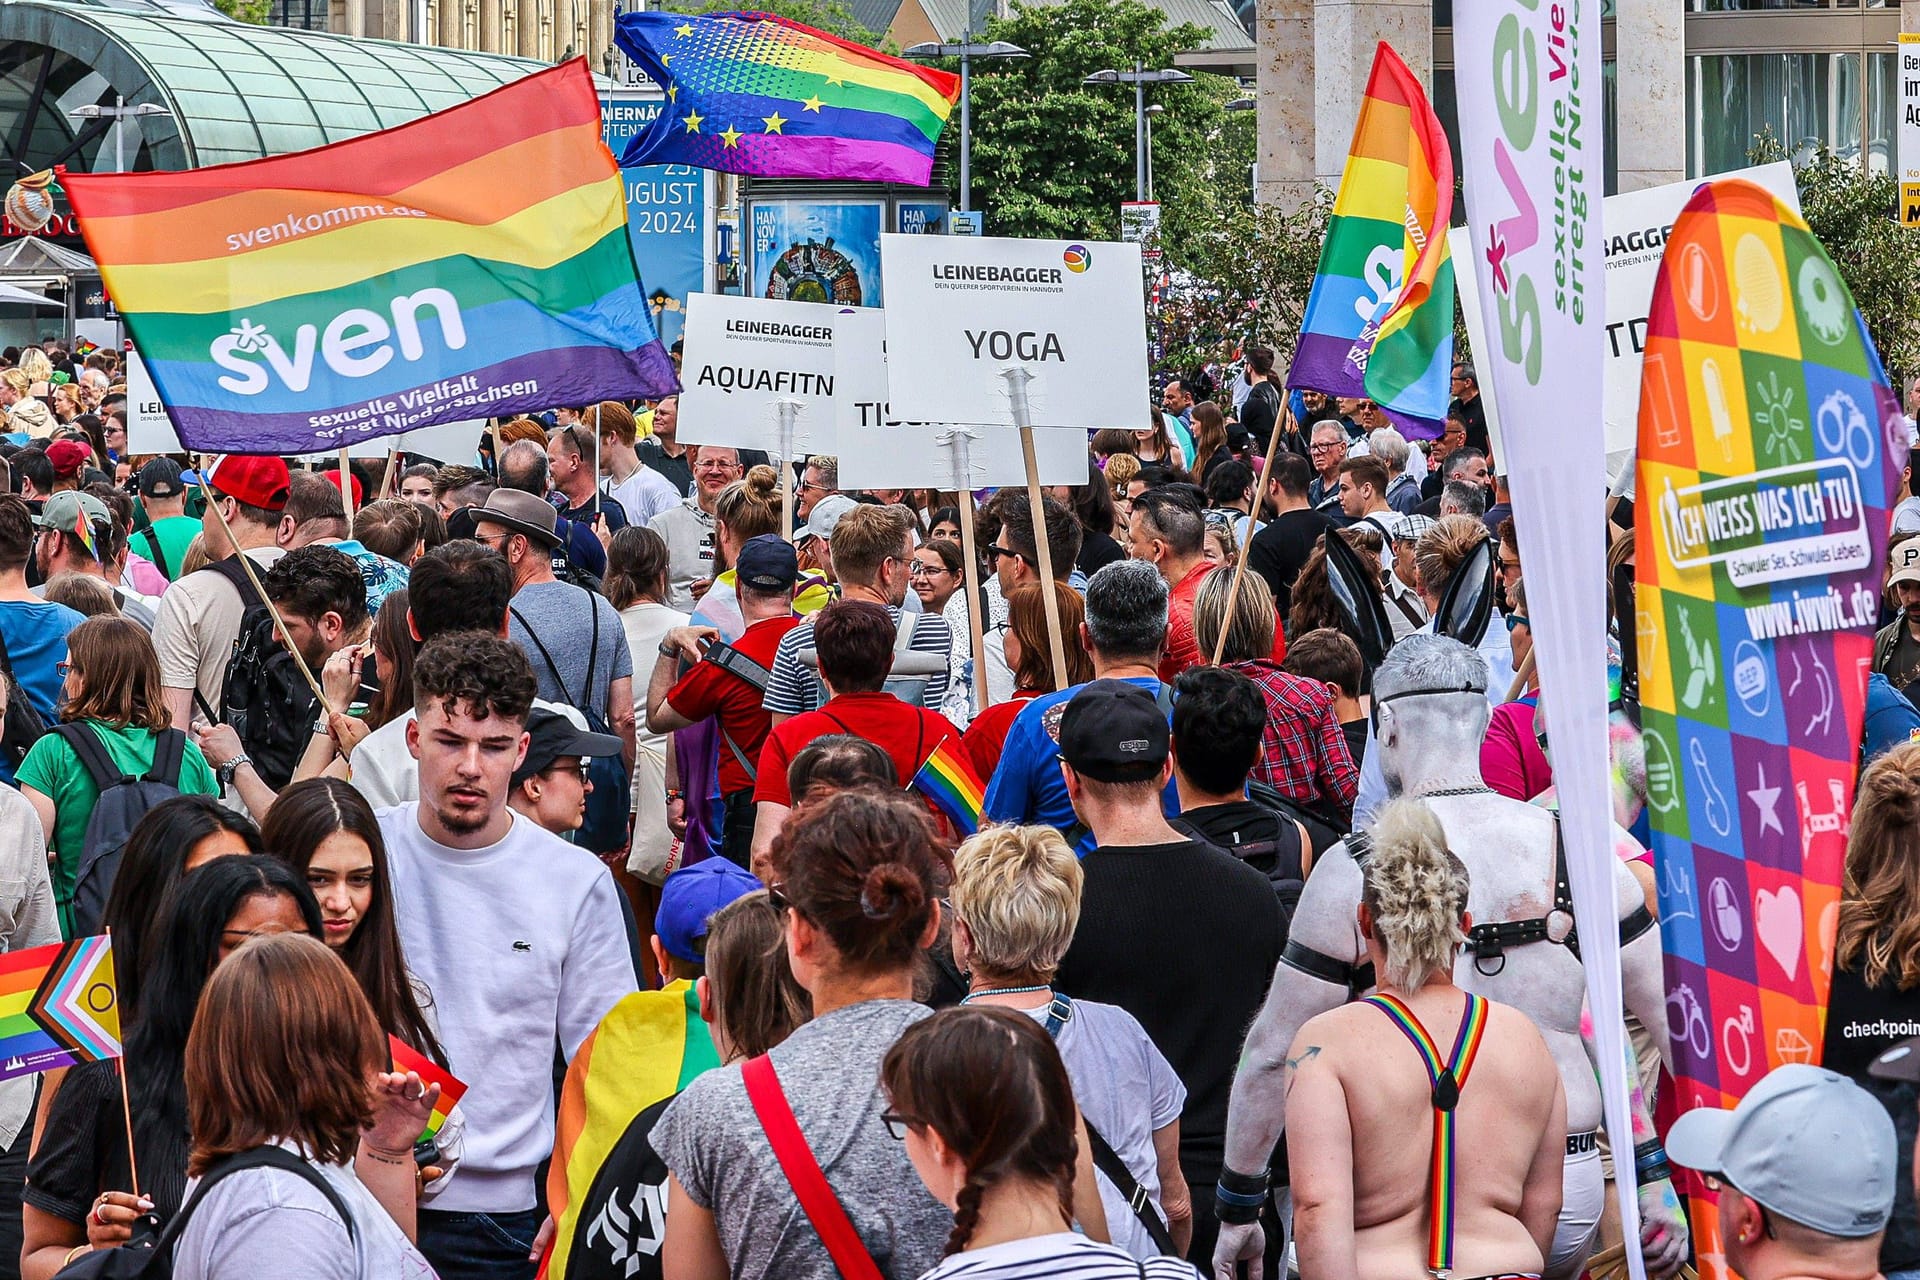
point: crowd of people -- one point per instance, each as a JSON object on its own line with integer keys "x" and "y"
{"x": 537, "y": 864}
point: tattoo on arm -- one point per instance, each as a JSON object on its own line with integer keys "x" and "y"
{"x": 1291, "y": 1066}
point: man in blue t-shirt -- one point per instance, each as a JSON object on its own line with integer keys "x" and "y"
{"x": 1125, "y": 628}
{"x": 33, "y": 631}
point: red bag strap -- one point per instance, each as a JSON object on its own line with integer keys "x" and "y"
{"x": 803, "y": 1172}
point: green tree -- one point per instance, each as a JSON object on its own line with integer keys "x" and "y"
{"x": 1054, "y": 158}
{"x": 253, "y": 11}
{"x": 1854, "y": 214}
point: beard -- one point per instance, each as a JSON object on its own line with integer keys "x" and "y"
{"x": 464, "y": 821}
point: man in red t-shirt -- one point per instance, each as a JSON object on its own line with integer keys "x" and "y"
{"x": 728, "y": 681}
{"x": 1168, "y": 531}
{"x": 854, "y": 640}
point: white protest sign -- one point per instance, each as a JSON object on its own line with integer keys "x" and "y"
{"x": 1635, "y": 225}
{"x": 878, "y": 451}
{"x": 149, "y": 429}
{"x": 961, "y": 311}
{"x": 443, "y": 442}
{"x": 747, "y": 357}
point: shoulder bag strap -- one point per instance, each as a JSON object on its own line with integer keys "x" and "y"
{"x": 92, "y": 752}
{"x": 159, "y": 555}
{"x": 544, "y": 655}
{"x": 258, "y": 1158}
{"x": 903, "y": 635}
{"x": 804, "y": 1175}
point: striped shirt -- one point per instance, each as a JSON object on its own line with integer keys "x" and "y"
{"x": 1065, "y": 1256}
{"x": 794, "y": 689}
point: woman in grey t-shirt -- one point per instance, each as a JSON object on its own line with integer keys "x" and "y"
{"x": 858, "y": 875}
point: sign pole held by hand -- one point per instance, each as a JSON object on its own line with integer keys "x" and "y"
{"x": 126, "y": 1107}
{"x": 346, "y": 487}
{"x": 596, "y": 462}
{"x": 386, "y": 477}
{"x": 1017, "y": 378}
{"x": 789, "y": 411}
{"x": 1261, "y": 482}
{"x": 959, "y": 442}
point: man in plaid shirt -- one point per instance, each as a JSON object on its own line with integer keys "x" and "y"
{"x": 1303, "y": 751}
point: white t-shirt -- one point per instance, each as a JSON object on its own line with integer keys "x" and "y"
{"x": 1053, "y": 1257}
{"x": 268, "y": 1222}
{"x": 196, "y": 627}
{"x": 522, "y": 943}
{"x": 642, "y": 495}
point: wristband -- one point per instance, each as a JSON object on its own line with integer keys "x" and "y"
{"x": 1242, "y": 1184}
{"x": 668, "y": 651}
{"x": 1650, "y": 1162}
{"x": 1239, "y": 1197}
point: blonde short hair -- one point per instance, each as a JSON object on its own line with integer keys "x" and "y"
{"x": 1018, "y": 890}
{"x": 1251, "y": 626}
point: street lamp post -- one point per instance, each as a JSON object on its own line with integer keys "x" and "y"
{"x": 118, "y": 112}
{"x": 1140, "y": 78}
{"x": 966, "y": 50}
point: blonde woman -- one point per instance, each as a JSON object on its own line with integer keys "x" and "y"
{"x": 1016, "y": 900}
{"x": 1363, "y": 1103}
{"x": 1876, "y": 964}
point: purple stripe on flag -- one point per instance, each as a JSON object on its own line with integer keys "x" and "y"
{"x": 774, "y": 156}
{"x": 574, "y": 375}
{"x": 1320, "y": 364}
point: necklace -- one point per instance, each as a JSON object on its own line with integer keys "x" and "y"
{"x": 1476, "y": 789}
{"x": 1006, "y": 991}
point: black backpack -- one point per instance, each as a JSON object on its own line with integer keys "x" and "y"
{"x": 1263, "y": 846}
{"x": 124, "y": 800}
{"x": 23, "y": 725}
{"x": 151, "y": 1257}
{"x": 263, "y": 696}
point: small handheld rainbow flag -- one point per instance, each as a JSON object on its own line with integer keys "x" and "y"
{"x": 946, "y": 780}
{"x": 759, "y": 94}
{"x": 59, "y": 1006}
{"x": 83, "y": 530}
{"x": 408, "y": 1058}
{"x": 1379, "y": 319}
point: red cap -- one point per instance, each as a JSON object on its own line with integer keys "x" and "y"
{"x": 68, "y": 456}
{"x": 333, "y": 478}
{"x": 253, "y": 479}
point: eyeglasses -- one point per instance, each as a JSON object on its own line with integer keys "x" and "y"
{"x": 1322, "y": 446}
{"x": 578, "y": 768}
{"x": 1517, "y": 620}
{"x": 777, "y": 896}
{"x": 809, "y": 484}
{"x": 917, "y": 570}
{"x": 63, "y": 666}
{"x": 898, "y": 1125}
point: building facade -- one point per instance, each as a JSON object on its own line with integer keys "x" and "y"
{"x": 1689, "y": 83}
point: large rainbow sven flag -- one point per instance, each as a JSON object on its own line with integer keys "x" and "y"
{"x": 58, "y": 1006}
{"x": 469, "y": 264}
{"x": 759, "y": 94}
{"x": 1379, "y": 319}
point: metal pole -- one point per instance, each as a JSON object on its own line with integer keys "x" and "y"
{"x": 119, "y": 139}
{"x": 966, "y": 131}
{"x": 1149, "y": 157}
{"x": 1139, "y": 133}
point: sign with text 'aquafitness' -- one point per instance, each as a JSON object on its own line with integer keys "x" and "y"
{"x": 962, "y": 311}
{"x": 473, "y": 263}
{"x": 745, "y": 358}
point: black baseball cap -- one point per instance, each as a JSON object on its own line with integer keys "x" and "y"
{"x": 552, "y": 738}
{"x": 160, "y": 478}
{"x": 767, "y": 563}
{"x": 1114, "y": 731}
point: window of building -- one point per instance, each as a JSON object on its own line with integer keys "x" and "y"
{"x": 1805, "y": 100}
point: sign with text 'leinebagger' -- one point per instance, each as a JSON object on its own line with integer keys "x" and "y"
{"x": 743, "y": 358}
{"x": 1072, "y": 313}
{"x": 879, "y": 451}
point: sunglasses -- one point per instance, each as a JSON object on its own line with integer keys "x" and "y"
{"x": 1517, "y": 620}
{"x": 996, "y": 551}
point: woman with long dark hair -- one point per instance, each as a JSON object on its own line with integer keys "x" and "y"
{"x": 393, "y": 646}
{"x": 1092, "y": 505}
{"x": 176, "y": 836}
{"x": 79, "y": 1193}
{"x": 981, "y": 1103}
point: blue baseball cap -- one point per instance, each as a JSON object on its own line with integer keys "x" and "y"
{"x": 690, "y": 897}
{"x": 767, "y": 563}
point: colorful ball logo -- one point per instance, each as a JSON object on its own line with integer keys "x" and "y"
{"x": 1078, "y": 258}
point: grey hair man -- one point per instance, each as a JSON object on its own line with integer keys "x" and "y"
{"x": 1430, "y": 712}
{"x": 1463, "y": 498}
{"x": 1125, "y": 627}
{"x": 1403, "y": 487}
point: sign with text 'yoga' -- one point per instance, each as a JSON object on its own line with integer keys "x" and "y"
{"x": 879, "y": 451}
{"x": 1767, "y": 430}
{"x": 961, "y": 311}
{"x": 747, "y": 357}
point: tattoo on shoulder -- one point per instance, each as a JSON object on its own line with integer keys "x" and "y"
{"x": 1292, "y": 1065}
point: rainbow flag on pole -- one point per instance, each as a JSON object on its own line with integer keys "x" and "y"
{"x": 470, "y": 264}
{"x": 408, "y": 1058}
{"x": 1379, "y": 319}
{"x": 946, "y": 780}
{"x": 759, "y": 94}
{"x": 58, "y": 1006}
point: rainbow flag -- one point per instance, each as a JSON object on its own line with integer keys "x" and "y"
{"x": 470, "y": 264}
{"x": 946, "y": 780}
{"x": 58, "y": 1006}
{"x": 646, "y": 1050}
{"x": 1379, "y": 318}
{"x": 408, "y": 1058}
{"x": 759, "y": 94}
{"x": 84, "y": 531}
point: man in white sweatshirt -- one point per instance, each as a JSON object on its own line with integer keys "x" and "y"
{"x": 517, "y": 934}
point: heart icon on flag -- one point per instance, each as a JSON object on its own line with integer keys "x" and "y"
{"x": 1777, "y": 921}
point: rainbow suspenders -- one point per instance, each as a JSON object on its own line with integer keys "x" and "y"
{"x": 1446, "y": 1074}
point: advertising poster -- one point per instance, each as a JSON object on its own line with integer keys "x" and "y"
{"x": 666, "y": 218}
{"x": 920, "y": 217}
{"x": 808, "y": 251}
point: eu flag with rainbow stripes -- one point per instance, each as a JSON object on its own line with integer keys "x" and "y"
{"x": 759, "y": 94}
{"x": 1379, "y": 319}
{"x": 59, "y": 1006}
{"x": 473, "y": 263}
{"x": 949, "y": 784}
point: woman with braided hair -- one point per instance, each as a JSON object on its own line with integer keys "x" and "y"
{"x": 981, "y": 1101}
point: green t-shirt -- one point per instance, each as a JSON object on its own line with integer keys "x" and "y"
{"x": 175, "y": 534}
{"x": 52, "y": 769}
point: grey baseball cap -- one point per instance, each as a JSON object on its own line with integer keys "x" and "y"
{"x": 825, "y": 515}
{"x": 1806, "y": 1143}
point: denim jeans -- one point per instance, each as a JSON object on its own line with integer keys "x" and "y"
{"x": 479, "y": 1246}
